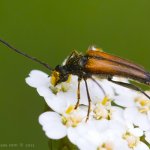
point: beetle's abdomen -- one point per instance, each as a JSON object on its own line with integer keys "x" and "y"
{"x": 109, "y": 67}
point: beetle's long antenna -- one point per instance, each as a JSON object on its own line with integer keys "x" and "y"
{"x": 26, "y": 55}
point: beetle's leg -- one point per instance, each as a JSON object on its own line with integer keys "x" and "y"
{"x": 130, "y": 86}
{"x": 98, "y": 85}
{"x": 78, "y": 93}
{"x": 89, "y": 99}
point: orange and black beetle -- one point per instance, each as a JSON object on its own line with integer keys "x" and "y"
{"x": 94, "y": 62}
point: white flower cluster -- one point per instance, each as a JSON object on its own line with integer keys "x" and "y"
{"x": 120, "y": 121}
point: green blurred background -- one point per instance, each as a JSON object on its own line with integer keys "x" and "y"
{"x": 50, "y": 30}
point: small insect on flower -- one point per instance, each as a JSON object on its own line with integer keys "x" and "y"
{"x": 94, "y": 62}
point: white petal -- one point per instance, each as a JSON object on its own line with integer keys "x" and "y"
{"x": 120, "y": 144}
{"x": 134, "y": 116}
{"x": 90, "y": 135}
{"x": 130, "y": 114}
{"x": 119, "y": 90}
{"x": 96, "y": 93}
{"x": 117, "y": 114}
{"x": 58, "y": 102}
{"x": 141, "y": 146}
{"x": 83, "y": 136}
{"x": 73, "y": 135}
{"x": 55, "y": 102}
{"x": 107, "y": 88}
{"x": 37, "y": 78}
{"x": 117, "y": 127}
{"x": 44, "y": 91}
{"x": 125, "y": 100}
{"x": 62, "y": 100}
{"x": 137, "y": 132}
{"x": 84, "y": 145}
{"x": 147, "y": 136}
{"x": 142, "y": 121}
{"x": 100, "y": 125}
{"x": 121, "y": 79}
{"x": 52, "y": 125}
{"x": 148, "y": 115}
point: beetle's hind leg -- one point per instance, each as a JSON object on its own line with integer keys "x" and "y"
{"x": 78, "y": 94}
{"x": 128, "y": 85}
{"x": 89, "y": 99}
{"x": 98, "y": 85}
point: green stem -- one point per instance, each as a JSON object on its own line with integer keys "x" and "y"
{"x": 50, "y": 145}
{"x": 62, "y": 144}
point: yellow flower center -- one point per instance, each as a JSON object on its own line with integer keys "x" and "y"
{"x": 143, "y": 105}
{"x": 71, "y": 118}
{"x": 64, "y": 86}
{"x": 131, "y": 139}
{"x": 69, "y": 109}
{"x": 106, "y": 146}
{"x": 103, "y": 110}
{"x": 69, "y": 79}
{"x": 54, "y": 77}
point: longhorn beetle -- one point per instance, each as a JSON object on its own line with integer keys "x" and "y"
{"x": 94, "y": 62}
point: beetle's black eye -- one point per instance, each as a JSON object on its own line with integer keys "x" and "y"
{"x": 60, "y": 74}
{"x": 58, "y": 68}
{"x": 61, "y": 69}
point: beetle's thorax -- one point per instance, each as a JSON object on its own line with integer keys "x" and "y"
{"x": 75, "y": 65}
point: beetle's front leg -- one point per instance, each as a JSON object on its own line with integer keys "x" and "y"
{"x": 89, "y": 99}
{"x": 78, "y": 93}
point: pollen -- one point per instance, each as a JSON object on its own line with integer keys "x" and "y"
{"x": 54, "y": 77}
{"x": 143, "y": 105}
{"x": 69, "y": 109}
{"x": 105, "y": 100}
{"x": 71, "y": 118}
{"x": 142, "y": 102}
{"x": 69, "y": 79}
{"x": 106, "y": 146}
{"x": 71, "y": 121}
{"x": 131, "y": 139}
{"x": 103, "y": 110}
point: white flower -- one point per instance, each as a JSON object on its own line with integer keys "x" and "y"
{"x": 107, "y": 135}
{"x": 109, "y": 127}
{"x": 94, "y": 134}
{"x": 147, "y": 136}
{"x": 137, "y": 109}
{"x": 132, "y": 137}
{"x": 103, "y": 109}
{"x": 52, "y": 125}
{"x": 118, "y": 89}
{"x": 56, "y": 125}
{"x": 66, "y": 92}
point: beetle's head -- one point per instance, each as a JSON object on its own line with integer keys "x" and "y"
{"x": 59, "y": 75}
